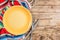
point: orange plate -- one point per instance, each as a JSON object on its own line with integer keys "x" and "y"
{"x": 17, "y": 20}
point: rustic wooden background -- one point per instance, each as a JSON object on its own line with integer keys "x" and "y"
{"x": 48, "y": 12}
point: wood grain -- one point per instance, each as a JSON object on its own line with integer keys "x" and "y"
{"x": 48, "y": 12}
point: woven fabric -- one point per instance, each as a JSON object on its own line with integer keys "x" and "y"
{"x": 5, "y": 7}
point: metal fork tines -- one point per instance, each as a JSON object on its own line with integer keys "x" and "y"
{"x": 33, "y": 27}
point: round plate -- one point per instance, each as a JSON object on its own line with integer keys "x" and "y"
{"x": 17, "y": 20}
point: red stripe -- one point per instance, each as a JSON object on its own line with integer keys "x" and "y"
{"x": 4, "y": 31}
{"x": 3, "y": 12}
{"x": 1, "y": 18}
{"x": 2, "y": 1}
{"x": 16, "y": 3}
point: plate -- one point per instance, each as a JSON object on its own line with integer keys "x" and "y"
{"x": 17, "y": 20}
